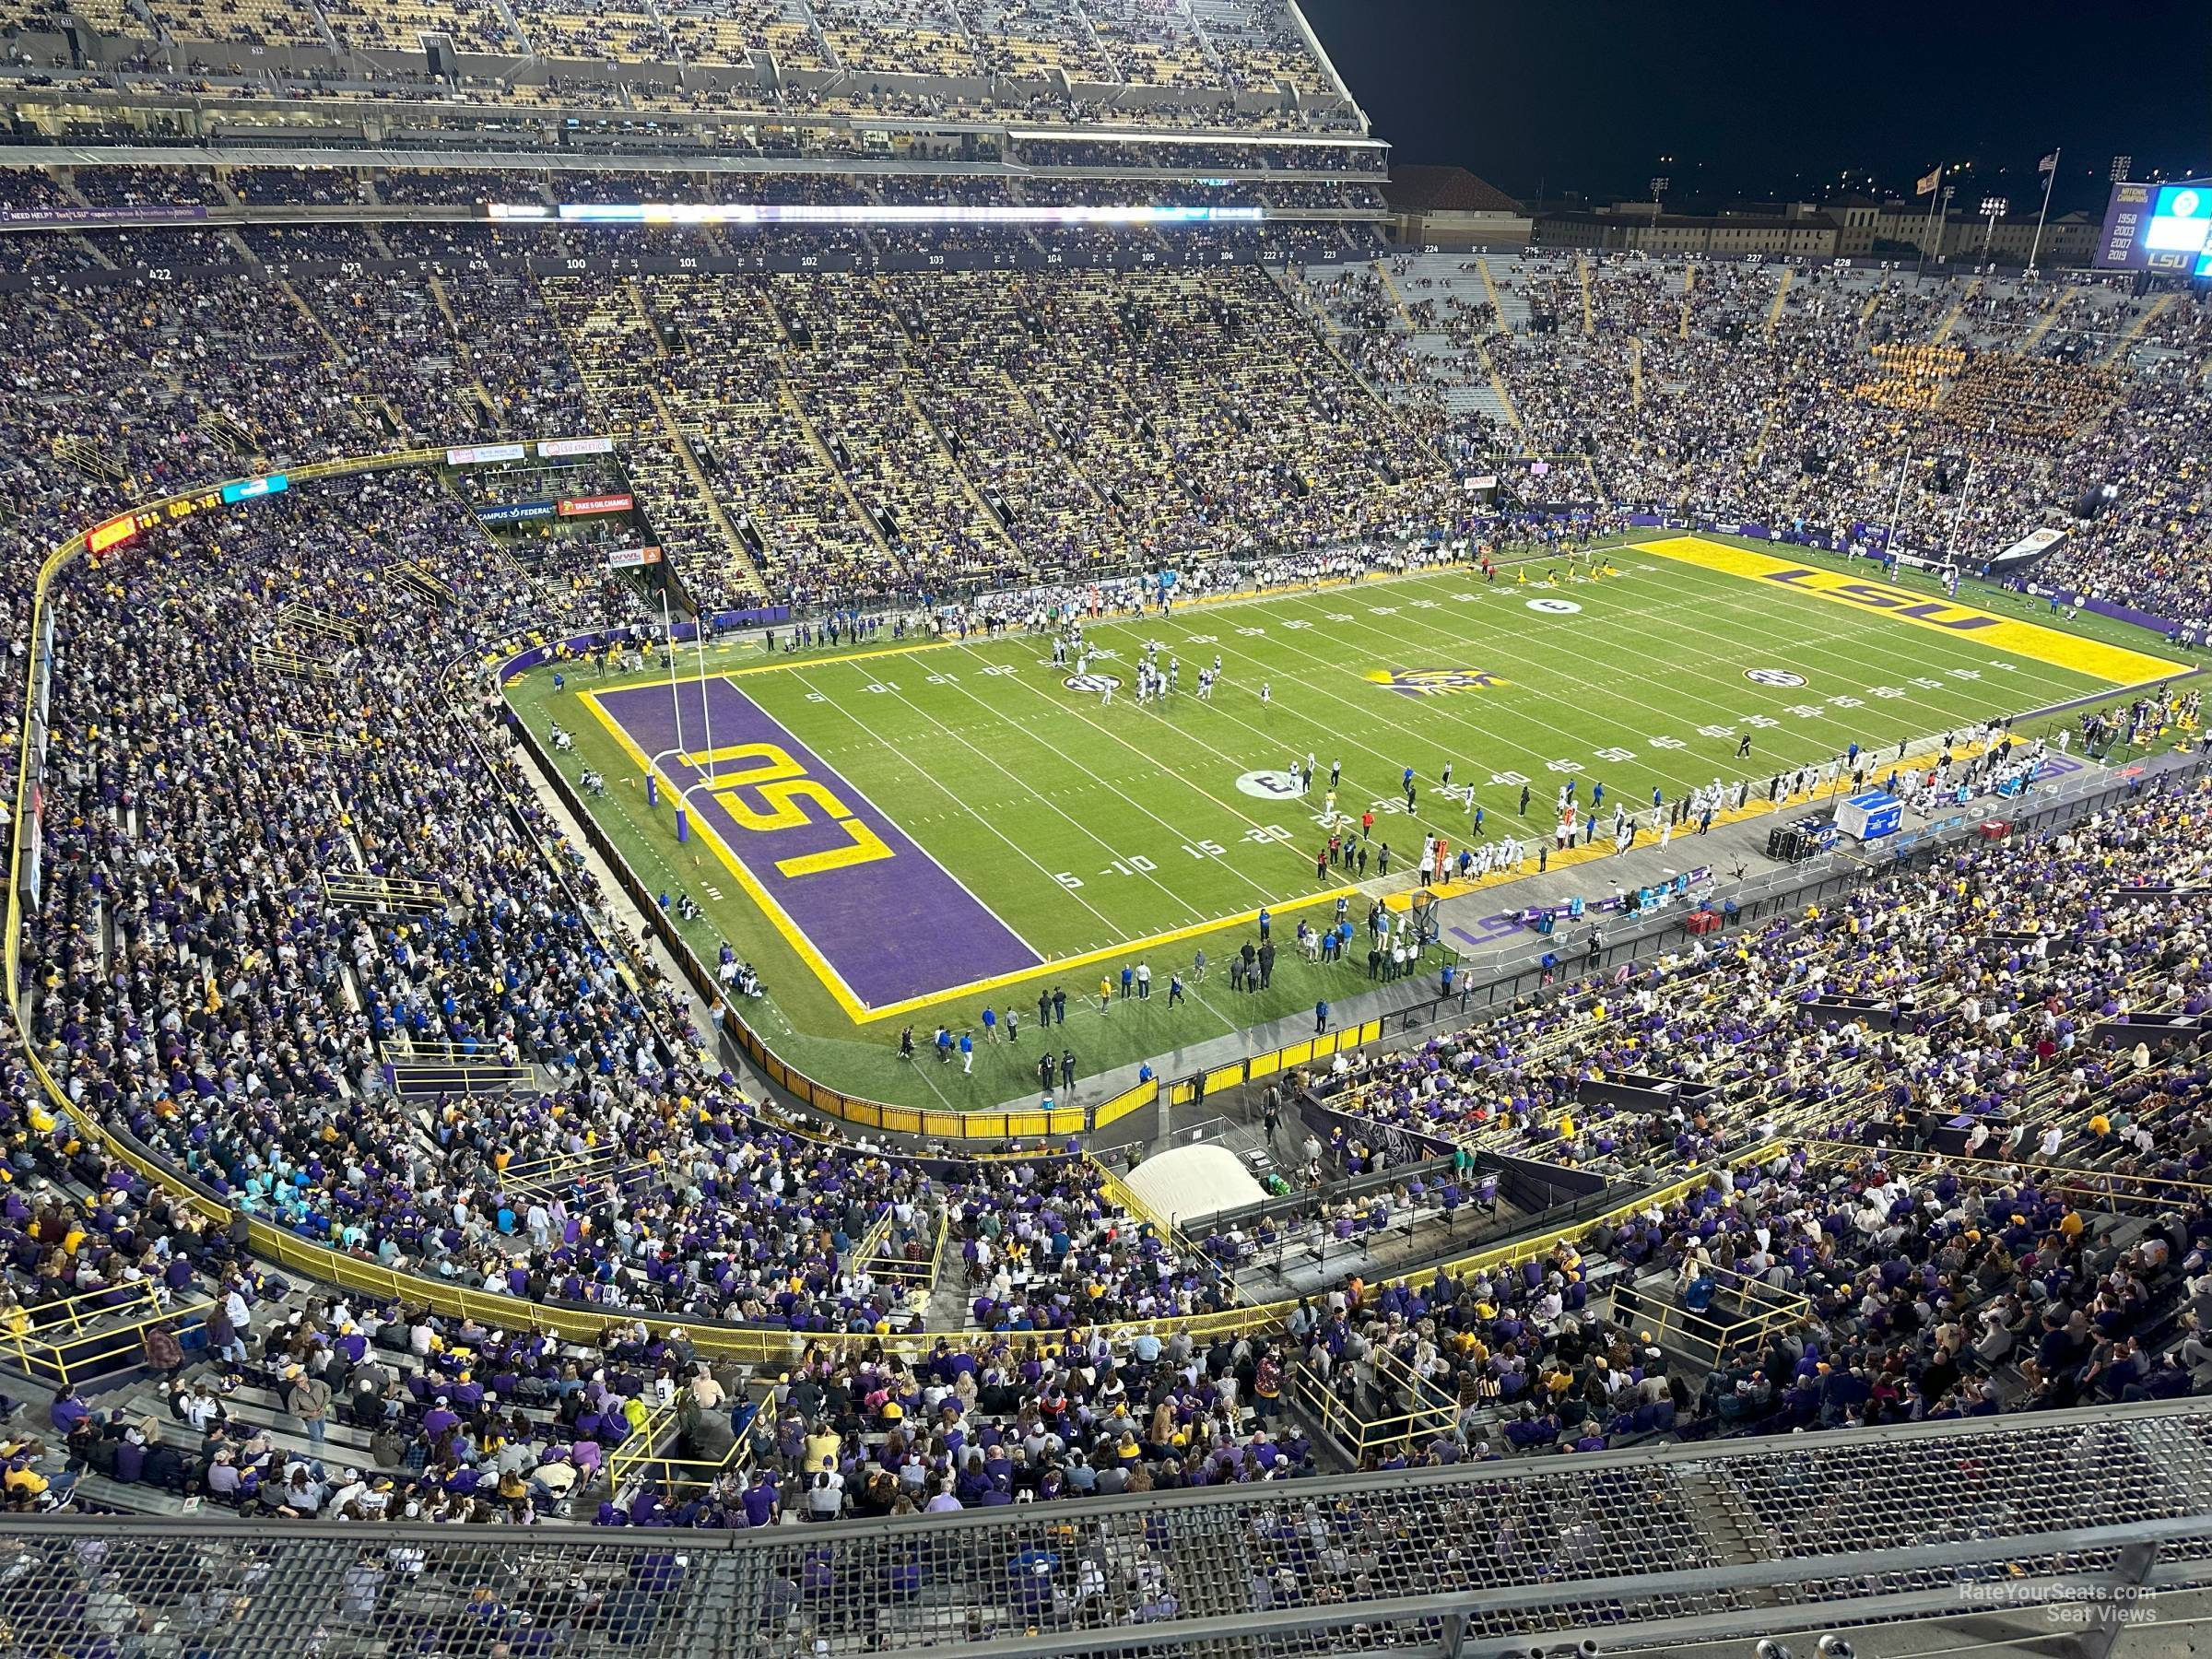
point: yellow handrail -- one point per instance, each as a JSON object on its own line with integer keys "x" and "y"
{"x": 1766, "y": 1312}
{"x": 442, "y": 1051}
{"x": 872, "y": 1241}
{"x": 363, "y": 1274}
{"x": 759, "y": 1346}
{"x": 1120, "y": 1194}
{"x": 1362, "y": 1435}
{"x": 911, "y": 1275}
{"x": 85, "y": 1351}
{"x": 71, "y": 1311}
{"x": 638, "y": 1455}
{"x": 639, "y": 1446}
{"x": 937, "y": 1255}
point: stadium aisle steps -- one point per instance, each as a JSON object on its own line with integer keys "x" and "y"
{"x": 740, "y": 555}
{"x": 2133, "y": 331}
{"x": 862, "y": 516}
{"x": 1316, "y": 321}
{"x": 1398, "y": 297}
{"x": 1510, "y": 306}
{"x": 986, "y": 520}
{"x": 1782, "y": 299}
{"x": 314, "y": 318}
{"x": 2044, "y": 323}
{"x": 1720, "y": 1506}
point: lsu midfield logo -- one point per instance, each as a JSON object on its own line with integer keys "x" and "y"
{"x": 1433, "y": 682}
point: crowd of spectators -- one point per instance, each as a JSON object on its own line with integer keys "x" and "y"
{"x": 1952, "y": 419}
{"x": 194, "y": 990}
{"x": 143, "y": 186}
{"x": 196, "y": 985}
{"x": 1913, "y": 1289}
{"x": 1726, "y": 1032}
{"x": 839, "y": 49}
{"x": 1933, "y": 1288}
{"x": 201, "y": 993}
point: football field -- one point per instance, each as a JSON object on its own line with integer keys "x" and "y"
{"x": 902, "y": 834}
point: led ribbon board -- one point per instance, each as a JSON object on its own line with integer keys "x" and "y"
{"x": 809, "y": 213}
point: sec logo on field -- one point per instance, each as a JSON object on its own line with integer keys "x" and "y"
{"x": 1092, "y": 683}
{"x": 1554, "y": 607}
{"x": 1773, "y": 677}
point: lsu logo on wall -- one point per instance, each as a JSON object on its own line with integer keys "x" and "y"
{"x": 1433, "y": 682}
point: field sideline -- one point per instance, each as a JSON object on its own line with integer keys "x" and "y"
{"x": 910, "y": 832}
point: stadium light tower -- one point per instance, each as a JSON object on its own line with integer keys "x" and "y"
{"x": 1994, "y": 208}
{"x": 2121, "y": 167}
{"x": 1659, "y": 186}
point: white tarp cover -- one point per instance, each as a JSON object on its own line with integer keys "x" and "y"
{"x": 1193, "y": 1185}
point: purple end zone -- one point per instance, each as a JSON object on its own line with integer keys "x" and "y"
{"x": 886, "y": 915}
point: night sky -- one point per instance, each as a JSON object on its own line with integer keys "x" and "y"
{"x": 1774, "y": 100}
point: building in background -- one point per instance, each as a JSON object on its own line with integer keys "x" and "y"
{"x": 1450, "y": 208}
{"x": 1771, "y": 228}
{"x": 1850, "y": 226}
{"x": 1901, "y": 228}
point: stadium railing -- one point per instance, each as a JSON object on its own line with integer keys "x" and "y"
{"x": 2089, "y": 1186}
{"x": 1743, "y": 1315}
{"x": 640, "y": 1458}
{"x": 1422, "y": 1412}
{"x": 1119, "y": 1193}
{"x": 1982, "y": 1523}
{"x": 581, "y": 1323}
{"x": 1253, "y": 1068}
{"x": 761, "y": 1345}
{"x": 91, "y": 1334}
{"x": 872, "y": 1114}
{"x": 910, "y": 1279}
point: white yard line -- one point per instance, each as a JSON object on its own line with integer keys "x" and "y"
{"x": 1448, "y": 709}
{"x": 965, "y": 813}
{"x": 2023, "y": 678}
{"x": 1887, "y": 644}
{"x": 1341, "y": 739}
{"x": 1077, "y": 824}
{"x": 1268, "y": 894}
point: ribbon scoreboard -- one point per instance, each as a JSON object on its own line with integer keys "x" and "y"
{"x": 125, "y": 528}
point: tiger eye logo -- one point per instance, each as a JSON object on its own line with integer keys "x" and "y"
{"x": 1433, "y": 682}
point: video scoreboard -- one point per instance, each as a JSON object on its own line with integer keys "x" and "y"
{"x": 2163, "y": 228}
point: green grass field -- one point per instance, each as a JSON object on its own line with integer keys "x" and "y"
{"x": 1083, "y": 827}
